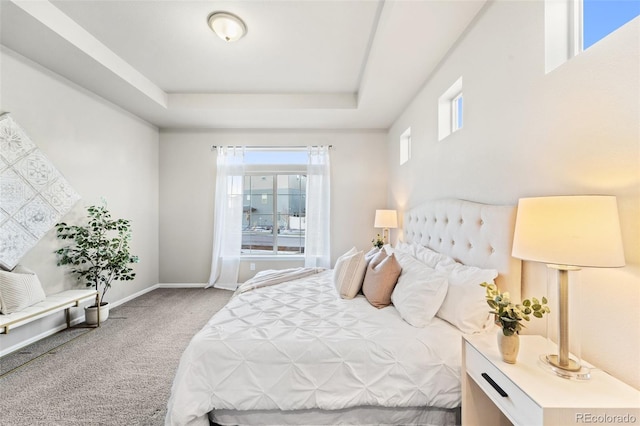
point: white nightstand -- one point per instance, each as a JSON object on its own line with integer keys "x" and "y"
{"x": 526, "y": 394}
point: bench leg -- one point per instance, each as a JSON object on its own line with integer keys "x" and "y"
{"x": 67, "y": 317}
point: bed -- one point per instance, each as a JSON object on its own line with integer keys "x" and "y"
{"x": 298, "y": 353}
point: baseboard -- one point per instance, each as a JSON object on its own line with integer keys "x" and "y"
{"x": 181, "y": 285}
{"x": 132, "y": 296}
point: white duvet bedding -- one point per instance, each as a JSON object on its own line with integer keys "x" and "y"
{"x": 297, "y": 345}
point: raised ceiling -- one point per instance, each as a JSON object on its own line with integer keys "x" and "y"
{"x": 303, "y": 64}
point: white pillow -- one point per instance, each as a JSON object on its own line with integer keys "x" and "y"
{"x": 419, "y": 292}
{"x": 465, "y": 304}
{"x": 432, "y": 258}
{"x": 348, "y": 273}
{"x": 403, "y": 247}
{"x": 19, "y": 289}
{"x": 371, "y": 254}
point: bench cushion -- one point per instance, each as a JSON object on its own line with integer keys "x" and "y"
{"x": 19, "y": 289}
{"x": 53, "y": 303}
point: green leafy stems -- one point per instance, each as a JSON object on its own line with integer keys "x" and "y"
{"x": 99, "y": 251}
{"x": 509, "y": 315}
{"x": 378, "y": 241}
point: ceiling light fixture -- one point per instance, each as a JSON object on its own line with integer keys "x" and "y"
{"x": 227, "y": 26}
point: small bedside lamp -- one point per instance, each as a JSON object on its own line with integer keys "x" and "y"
{"x": 567, "y": 233}
{"x": 386, "y": 219}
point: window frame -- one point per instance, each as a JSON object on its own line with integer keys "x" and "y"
{"x": 405, "y": 146}
{"x": 446, "y": 113}
{"x": 457, "y": 114}
{"x": 564, "y": 31}
{"x": 270, "y": 170}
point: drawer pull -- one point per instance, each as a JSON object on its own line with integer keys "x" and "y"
{"x": 495, "y": 385}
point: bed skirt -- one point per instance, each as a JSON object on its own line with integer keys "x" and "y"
{"x": 423, "y": 416}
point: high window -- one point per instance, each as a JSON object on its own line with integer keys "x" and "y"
{"x": 602, "y": 17}
{"x": 405, "y": 146}
{"x": 450, "y": 110}
{"x": 572, "y": 26}
{"x": 456, "y": 112}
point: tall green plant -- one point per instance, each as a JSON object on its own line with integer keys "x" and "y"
{"x": 99, "y": 253}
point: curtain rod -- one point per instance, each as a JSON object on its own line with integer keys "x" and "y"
{"x": 272, "y": 147}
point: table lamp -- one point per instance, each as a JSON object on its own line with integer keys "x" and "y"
{"x": 567, "y": 233}
{"x": 385, "y": 219}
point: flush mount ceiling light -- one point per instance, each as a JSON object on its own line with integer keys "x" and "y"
{"x": 227, "y": 26}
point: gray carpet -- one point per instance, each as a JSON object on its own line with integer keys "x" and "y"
{"x": 118, "y": 374}
{"x": 40, "y": 348}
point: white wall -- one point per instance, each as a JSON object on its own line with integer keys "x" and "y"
{"x": 573, "y": 131}
{"x": 187, "y": 183}
{"x": 103, "y": 152}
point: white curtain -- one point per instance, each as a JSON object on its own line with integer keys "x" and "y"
{"x": 317, "y": 241}
{"x": 227, "y": 226}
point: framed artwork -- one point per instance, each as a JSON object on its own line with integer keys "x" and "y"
{"x": 33, "y": 193}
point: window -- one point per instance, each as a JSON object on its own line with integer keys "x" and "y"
{"x": 602, "y": 17}
{"x": 450, "y": 117}
{"x": 274, "y": 219}
{"x": 456, "y": 113}
{"x": 572, "y": 26}
{"x": 274, "y": 203}
{"x": 405, "y": 146}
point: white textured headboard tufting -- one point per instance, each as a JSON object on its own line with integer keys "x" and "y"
{"x": 472, "y": 233}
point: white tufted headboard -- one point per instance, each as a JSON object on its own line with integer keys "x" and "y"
{"x": 472, "y": 233}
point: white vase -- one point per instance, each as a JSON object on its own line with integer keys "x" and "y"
{"x": 91, "y": 314}
{"x": 508, "y": 346}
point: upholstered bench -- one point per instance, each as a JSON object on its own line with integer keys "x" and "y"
{"x": 50, "y": 305}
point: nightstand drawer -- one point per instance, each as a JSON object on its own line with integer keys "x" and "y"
{"x": 516, "y": 404}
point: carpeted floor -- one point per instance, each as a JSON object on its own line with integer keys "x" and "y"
{"x": 40, "y": 348}
{"x": 118, "y": 374}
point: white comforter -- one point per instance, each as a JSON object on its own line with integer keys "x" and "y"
{"x": 297, "y": 345}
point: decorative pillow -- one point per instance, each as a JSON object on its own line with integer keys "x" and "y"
{"x": 348, "y": 273}
{"x": 19, "y": 289}
{"x": 380, "y": 279}
{"x": 465, "y": 305}
{"x": 419, "y": 292}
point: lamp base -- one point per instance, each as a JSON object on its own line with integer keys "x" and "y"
{"x": 573, "y": 371}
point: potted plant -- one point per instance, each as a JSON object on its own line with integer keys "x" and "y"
{"x": 98, "y": 255}
{"x": 378, "y": 241}
{"x": 509, "y": 316}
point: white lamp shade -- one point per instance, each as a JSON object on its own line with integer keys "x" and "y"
{"x": 386, "y": 219}
{"x": 569, "y": 230}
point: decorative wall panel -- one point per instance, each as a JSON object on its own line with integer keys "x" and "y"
{"x": 33, "y": 194}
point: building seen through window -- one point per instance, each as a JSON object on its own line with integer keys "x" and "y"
{"x": 274, "y": 203}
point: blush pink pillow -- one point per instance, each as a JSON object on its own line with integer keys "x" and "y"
{"x": 380, "y": 279}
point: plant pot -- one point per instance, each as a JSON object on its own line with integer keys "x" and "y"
{"x": 508, "y": 346}
{"x": 91, "y": 314}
